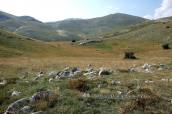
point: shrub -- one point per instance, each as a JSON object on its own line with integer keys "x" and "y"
{"x": 167, "y": 27}
{"x": 77, "y": 84}
{"x": 3, "y": 99}
{"x": 73, "y": 40}
{"x": 105, "y": 72}
{"x": 129, "y": 55}
{"x": 74, "y": 69}
{"x": 165, "y": 46}
{"x": 12, "y": 80}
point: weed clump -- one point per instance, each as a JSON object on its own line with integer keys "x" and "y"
{"x": 12, "y": 80}
{"x": 76, "y": 84}
{"x": 166, "y": 46}
{"x": 105, "y": 72}
{"x": 129, "y": 55}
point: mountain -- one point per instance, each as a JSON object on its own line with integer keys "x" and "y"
{"x": 33, "y": 28}
{"x": 96, "y": 26}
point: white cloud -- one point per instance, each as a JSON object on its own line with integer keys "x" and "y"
{"x": 116, "y": 8}
{"x": 109, "y": 7}
{"x": 164, "y": 11}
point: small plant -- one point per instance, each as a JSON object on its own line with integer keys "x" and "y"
{"x": 105, "y": 72}
{"x": 76, "y": 84}
{"x": 74, "y": 69}
{"x": 12, "y": 80}
{"x": 166, "y": 46}
{"x": 167, "y": 27}
{"x": 129, "y": 55}
{"x": 73, "y": 40}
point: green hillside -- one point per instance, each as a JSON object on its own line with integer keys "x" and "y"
{"x": 30, "y": 27}
{"x": 96, "y": 26}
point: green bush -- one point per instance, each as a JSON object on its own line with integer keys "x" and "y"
{"x": 129, "y": 55}
{"x": 166, "y": 46}
{"x": 105, "y": 72}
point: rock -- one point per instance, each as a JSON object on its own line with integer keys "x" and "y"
{"x": 86, "y": 95}
{"x": 65, "y": 74}
{"x": 147, "y": 70}
{"x": 23, "y": 77}
{"x": 67, "y": 69}
{"x": 4, "y": 78}
{"x": 139, "y": 87}
{"x": 89, "y": 65}
{"x": 111, "y": 71}
{"x": 16, "y": 105}
{"x": 161, "y": 65}
{"x": 40, "y": 75}
{"x": 26, "y": 109}
{"x": 101, "y": 70}
{"x": 57, "y": 77}
{"x": 116, "y": 82}
{"x": 42, "y": 95}
{"x": 89, "y": 69}
{"x": 164, "y": 80}
{"x": 40, "y": 112}
{"x": 26, "y": 80}
{"x": 160, "y": 68}
{"x": 51, "y": 79}
{"x": 119, "y": 92}
{"x": 71, "y": 75}
{"x": 15, "y": 93}
{"x": 36, "y": 78}
{"x": 132, "y": 70}
{"x": 3, "y": 83}
{"x": 135, "y": 65}
{"x": 149, "y": 81}
{"x": 53, "y": 73}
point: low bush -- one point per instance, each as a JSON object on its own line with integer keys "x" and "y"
{"x": 166, "y": 46}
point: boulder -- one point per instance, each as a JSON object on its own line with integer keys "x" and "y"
{"x": 16, "y": 105}
{"x": 15, "y": 93}
{"x": 26, "y": 109}
{"x": 65, "y": 74}
{"x": 53, "y": 73}
{"x": 42, "y": 95}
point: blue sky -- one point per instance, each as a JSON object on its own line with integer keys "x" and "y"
{"x": 55, "y": 10}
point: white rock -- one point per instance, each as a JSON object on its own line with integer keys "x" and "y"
{"x": 160, "y": 68}
{"x": 16, "y": 105}
{"x": 119, "y": 92}
{"x": 89, "y": 65}
{"x": 67, "y": 69}
{"x": 53, "y": 73}
{"x": 15, "y": 93}
{"x": 89, "y": 69}
{"x": 40, "y": 75}
{"x": 42, "y": 95}
{"x": 135, "y": 65}
{"x": 57, "y": 77}
{"x": 164, "y": 80}
{"x": 51, "y": 79}
{"x": 149, "y": 81}
{"x": 132, "y": 70}
{"x": 26, "y": 109}
{"x": 139, "y": 87}
{"x": 111, "y": 71}
{"x": 116, "y": 82}
{"x": 26, "y": 80}
{"x": 3, "y": 83}
{"x": 86, "y": 95}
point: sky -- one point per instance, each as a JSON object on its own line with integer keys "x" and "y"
{"x": 56, "y": 10}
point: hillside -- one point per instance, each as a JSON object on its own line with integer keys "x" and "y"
{"x": 33, "y": 28}
{"x": 92, "y": 27}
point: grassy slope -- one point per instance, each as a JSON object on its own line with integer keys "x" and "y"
{"x": 30, "y": 27}
{"x": 96, "y": 26}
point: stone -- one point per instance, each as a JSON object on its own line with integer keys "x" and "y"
{"x": 119, "y": 92}
{"x": 42, "y": 95}
{"x": 4, "y": 78}
{"x": 135, "y": 65}
{"x": 53, "y": 73}
{"x": 26, "y": 80}
{"x": 16, "y": 105}
{"x": 3, "y": 83}
{"x": 67, "y": 69}
{"x": 160, "y": 68}
{"x": 65, "y": 73}
{"x": 89, "y": 69}
{"x": 116, "y": 82}
{"x": 132, "y": 70}
{"x": 57, "y": 77}
{"x": 86, "y": 95}
{"x": 164, "y": 80}
{"x": 40, "y": 112}
{"x": 51, "y": 79}
{"x": 111, "y": 71}
{"x": 40, "y": 75}
{"x": 15, "y": 93}
{"x": 149, "y": 81}
{"x": 139, "y": 87}
{"x": 161, "y": 65}
{"x": 26, "y": 109}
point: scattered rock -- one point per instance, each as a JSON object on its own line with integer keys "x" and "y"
{"x": 16, "y": 105}
{"x": 119, "y": 92}
{"x": 116, "y": 82}
{"x": 111, "y": 71}
{"x": 164, "y": 80}
{"x": 65, "y": 74}
{"x": 26, "y": 80}
{"x": 139, "y": 87}
{"x": 132, "y": 70}
{"x": 42, "y": 95}
{"x": 15, "y": 93}
{"x": 26, "y": 109}
{"x": 160, "y": 68}
{"x": 89, "y": 69}
{"x": 135, "y": 65}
